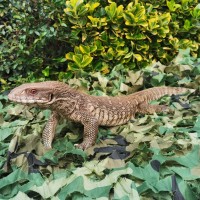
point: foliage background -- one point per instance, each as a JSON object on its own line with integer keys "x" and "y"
{"x": 101, "y": 47}
{"x": 94, "y": 36}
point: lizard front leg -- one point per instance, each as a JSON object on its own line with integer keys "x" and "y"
{"x": 49, "y": 130}
{"x": 90, "y": 131}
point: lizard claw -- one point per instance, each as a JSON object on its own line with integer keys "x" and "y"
{"x": 79, "y": 146}
{"x": 47, "y": 147}
{"x": 166, "y": 109}
{"x": 83, "y": 145}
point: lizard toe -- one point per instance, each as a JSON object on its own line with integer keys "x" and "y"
{"x": 83, "y": 145}
{"x": 79, "y": 146}
{"x": 166, "y": 109}
{"x": 47, "y": 147}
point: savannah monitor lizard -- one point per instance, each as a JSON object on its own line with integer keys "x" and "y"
{"x": 91, "y": 111}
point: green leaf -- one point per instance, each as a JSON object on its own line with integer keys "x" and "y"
{"x": 86, "y": 60}
{"x": 84, "y": 49}
{"x": 172, "y": 5}
{"x": 138, "y": 57}
{"x": 81, "y": 12}
{"x": 153, "y": 23}
{"x": 95, "y": 21}
{"x": 196, "y": 12}
{"x": 129, "y": 18}
{"x": 104, "y": 36}
{"x": 92, "y": 6}
{"x": 111, "y": 10}
{"x": 82, "y": 60}
{"x": 93, "y": 48}
{"x": 46, "y": 71}
{"x": 135, "y": 36}
{"x": 73, "y": 66}
{"x": 87, "y": 49}
{"x": 75, "y": 3}
{"x": 109, "y": 54}
{"x": 164, "y": 20}
{"x": 187, "y": 25}
{"x": 69, "y": 56}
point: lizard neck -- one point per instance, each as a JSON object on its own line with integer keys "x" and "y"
{"x": 66, "y": 103}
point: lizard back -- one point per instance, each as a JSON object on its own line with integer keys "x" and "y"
{"x": 111, "y": 111}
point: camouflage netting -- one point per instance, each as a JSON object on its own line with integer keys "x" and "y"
{"x": 153, "y": 156}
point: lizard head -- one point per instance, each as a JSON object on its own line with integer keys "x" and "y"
{"x": 41, "y": 93}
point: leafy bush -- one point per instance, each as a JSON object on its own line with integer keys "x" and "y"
{"x": 32, "y": 37}
{"x": 94, "y": 35}
{"x": 134, "y": 34}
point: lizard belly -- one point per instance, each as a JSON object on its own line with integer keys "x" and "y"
{"x": 112, "y": 117}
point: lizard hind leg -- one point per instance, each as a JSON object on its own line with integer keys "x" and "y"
{"x": 145, "y": 108}
{"x": 49, "y": 130}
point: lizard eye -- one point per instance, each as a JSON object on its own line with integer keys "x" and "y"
{"x": 32, "y": 91}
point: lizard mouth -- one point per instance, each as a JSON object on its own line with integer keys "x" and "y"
{"x": 30, "y": 100}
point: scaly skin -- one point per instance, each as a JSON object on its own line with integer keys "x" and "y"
{"x": 91, "y": 111}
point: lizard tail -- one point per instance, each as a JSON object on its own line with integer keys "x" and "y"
{"x": 157, "y": 92}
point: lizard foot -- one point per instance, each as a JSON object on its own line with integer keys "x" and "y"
{"x": 47, "y": 147}
{"x": 166, "y": 109}
{"x": 83, "y": 145}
